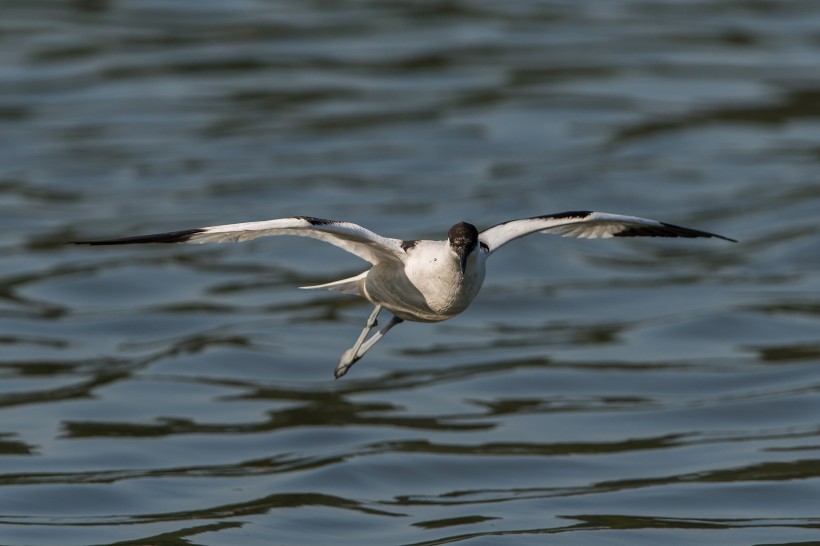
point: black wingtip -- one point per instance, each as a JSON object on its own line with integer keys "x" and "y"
{"x": 168, "y": 237}
{"x": 668, "y": 230}
{"x": 689, "y": 232}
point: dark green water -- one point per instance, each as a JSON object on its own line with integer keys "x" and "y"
{"x": 597, "y": 392}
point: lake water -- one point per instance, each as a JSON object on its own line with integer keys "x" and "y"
{"x": 597, "y": 392}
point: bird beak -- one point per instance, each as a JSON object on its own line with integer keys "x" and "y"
{"x": 463, "y": 254}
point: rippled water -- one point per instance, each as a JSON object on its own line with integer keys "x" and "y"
{"x": 617, "y": 392}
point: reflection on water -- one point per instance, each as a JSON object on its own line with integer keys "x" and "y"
{"x": 596, "y": 391}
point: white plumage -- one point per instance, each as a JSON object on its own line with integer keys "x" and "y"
{"x": 419, "y": 280}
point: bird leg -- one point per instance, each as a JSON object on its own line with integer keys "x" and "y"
{"x": 352, "y": 355}
{"x": 349, "y": 356}
{"x": 377, "y": 336}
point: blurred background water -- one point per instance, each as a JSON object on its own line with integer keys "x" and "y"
{"x": 617, "y": 392}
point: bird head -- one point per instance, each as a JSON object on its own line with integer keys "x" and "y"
{"x": 463, "y": 240}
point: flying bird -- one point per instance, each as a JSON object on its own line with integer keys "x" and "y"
{"x": 418, "y": 280}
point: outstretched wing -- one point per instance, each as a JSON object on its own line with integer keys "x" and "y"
{"x": 586, "y": 225}
{"x": 351, "y": 237}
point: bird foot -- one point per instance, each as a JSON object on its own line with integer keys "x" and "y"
{"x": 348, "y": 359}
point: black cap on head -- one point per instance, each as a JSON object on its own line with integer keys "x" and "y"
{"x": 463, "y": 239}
{"x": 463, "y": 235}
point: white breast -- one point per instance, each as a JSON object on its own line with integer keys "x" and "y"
{"x": 431, "y": 287}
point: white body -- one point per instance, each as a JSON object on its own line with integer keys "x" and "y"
{"x": 423, "y": 281}
{"x": 429, "y": 286}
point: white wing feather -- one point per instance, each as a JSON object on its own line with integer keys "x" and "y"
{"x": 351, "y": 237}
{"x": 586, "y": 225}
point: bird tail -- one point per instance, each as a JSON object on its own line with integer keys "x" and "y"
{"x": 353, "y": 285}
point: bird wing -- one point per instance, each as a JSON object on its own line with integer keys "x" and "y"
{"x": 586, "y": 225}
{"x": 351, "y": 237}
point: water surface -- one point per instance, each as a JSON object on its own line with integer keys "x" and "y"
{"x": 619, "y": 392}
